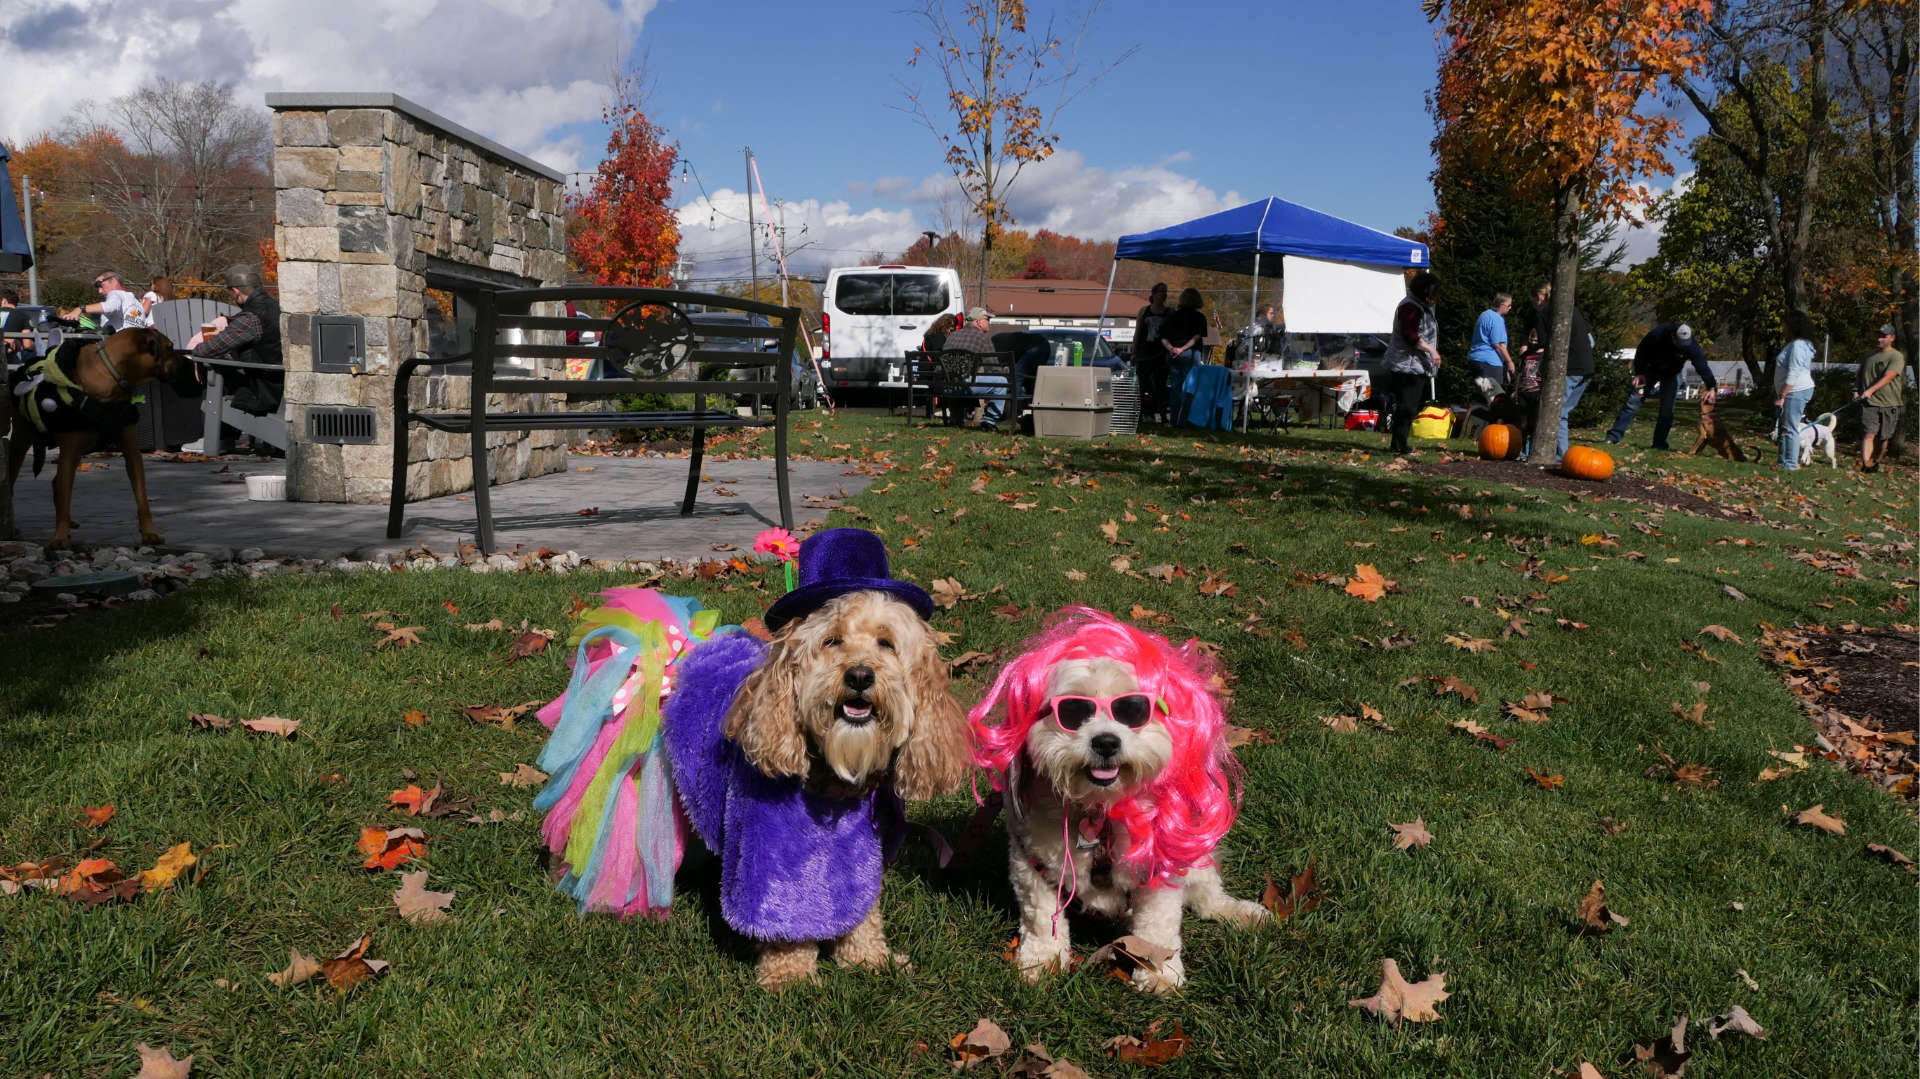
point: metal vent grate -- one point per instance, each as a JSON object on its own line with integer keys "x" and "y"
{"x": 343, "y": 426}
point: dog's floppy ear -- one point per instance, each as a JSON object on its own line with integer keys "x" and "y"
{"x": 934, "y": 759}
{"x": 764, "y": 719}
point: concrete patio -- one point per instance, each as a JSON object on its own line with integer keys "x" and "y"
{"x": 203, "y": 505}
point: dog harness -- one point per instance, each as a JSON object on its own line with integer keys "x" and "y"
{"x": 49, "y": 396}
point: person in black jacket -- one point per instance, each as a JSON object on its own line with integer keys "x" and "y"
{"x": 252, "y": 336}
{"x": 1579, "y": 355}
{"x": 1657, "y": 363}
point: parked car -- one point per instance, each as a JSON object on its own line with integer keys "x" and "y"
{"x": 806, "y": 387}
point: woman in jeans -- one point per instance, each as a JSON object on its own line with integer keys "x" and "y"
{"x": 1184, "y": 332}
{"x": 1793, "y": 385}
{"x": 1412, "y": 355}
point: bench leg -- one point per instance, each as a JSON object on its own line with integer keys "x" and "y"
{"x": 780, "y": 471}
{"x": 397, "y": 491}
{"x": 482, "y": 497}
{"x": 210, "y": 413}
{"x": 694, "y": 458}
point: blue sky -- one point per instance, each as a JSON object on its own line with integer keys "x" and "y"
{"x": 1322, "y": 104}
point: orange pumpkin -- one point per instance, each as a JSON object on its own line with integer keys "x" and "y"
{"x": 1499, "y": 442}
{"x": 1586, "y": 463}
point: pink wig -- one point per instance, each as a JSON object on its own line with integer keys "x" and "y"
{"x": 1173, "y": 823}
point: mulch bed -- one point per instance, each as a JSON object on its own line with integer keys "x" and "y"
{"x": 1626, "y": 486}
{"x": 1861, "y": 688}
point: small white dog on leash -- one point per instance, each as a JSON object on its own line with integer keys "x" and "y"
{"x": 1110, "y": 747}
{"x": 1815, "y": 434}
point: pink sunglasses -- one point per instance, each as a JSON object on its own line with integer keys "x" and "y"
{"x": 1072, "y": 712}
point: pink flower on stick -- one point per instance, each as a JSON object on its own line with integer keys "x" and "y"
{"x": 779, "y": 543}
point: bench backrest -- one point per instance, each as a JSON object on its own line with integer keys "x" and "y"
{"x": 646, "y": 341}
{"x": 181, "y": 319}
{"x": 936, "y": 368}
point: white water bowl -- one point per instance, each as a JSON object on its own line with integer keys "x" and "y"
{"x": 267, "y": 488}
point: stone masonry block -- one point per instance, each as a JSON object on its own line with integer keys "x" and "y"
{"x": 299, "y": 287}
{"x": 303, "y": 166}
{"x": 370, "y": 291}
{"x": 300, "y": 128}
{"x": 402, "y": 180}
{"x": 358, "y": 181}
{"x": 314, "y": 473}
{"x": 356, "y": 127}
{"x": 364, "y": 229}
{"x": 308, "y": 244}
{"x": 362, "y": 159}
{"x": 302, "y": 207}
{"x": 356, "y": 198}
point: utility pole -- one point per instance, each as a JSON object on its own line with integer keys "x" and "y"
{"x": 753, "y": 246}
{"x": 781, "y": 205}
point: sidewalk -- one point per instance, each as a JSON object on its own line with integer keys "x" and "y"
{"x": 203, "y": 505}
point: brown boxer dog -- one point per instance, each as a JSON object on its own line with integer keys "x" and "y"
{"x": 106, "y": 374}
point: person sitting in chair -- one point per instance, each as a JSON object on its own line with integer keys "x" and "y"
{"x": 252, "y": 336}
{"x": 970, "y": 338}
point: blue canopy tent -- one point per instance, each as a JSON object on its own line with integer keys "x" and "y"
{"x": 16, "y": 248}
{"x": 1338, "y": 272}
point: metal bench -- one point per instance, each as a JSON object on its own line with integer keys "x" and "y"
{"x": 646, "y": 344}
{"x": 953, "y": 375}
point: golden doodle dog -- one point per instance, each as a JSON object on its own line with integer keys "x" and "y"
{"x": 73, "y": 399}
{"x": 1110, "y": 748}
{"x": 789, "y": 758}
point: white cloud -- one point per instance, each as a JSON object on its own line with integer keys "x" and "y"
{"x": 1641, "y": 235}
{"x": 487, "y": 64}
{"x": 713, "y": 235}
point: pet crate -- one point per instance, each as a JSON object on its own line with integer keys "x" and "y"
{"x": 1072, "y": 402}
{"x": 1126, "y": 403}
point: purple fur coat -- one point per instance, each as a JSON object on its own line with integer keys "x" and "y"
{"x": 794, "y": 865}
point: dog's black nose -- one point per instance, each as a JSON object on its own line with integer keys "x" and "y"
{"x": 858, "y": 679}
{"x": 1106, "y": 744}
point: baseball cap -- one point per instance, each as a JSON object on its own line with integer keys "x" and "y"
{"x": 1683, "y": 333}
{"x": 977, "y": 313}
{"x": 1887, "y": 330}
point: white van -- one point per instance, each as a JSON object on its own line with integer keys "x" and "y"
{"x": 874, "y": 315}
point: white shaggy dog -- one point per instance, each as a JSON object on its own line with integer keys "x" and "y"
{"x": 1094, "y": 752}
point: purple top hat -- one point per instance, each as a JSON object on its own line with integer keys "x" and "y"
{"x": 838, "y": 561}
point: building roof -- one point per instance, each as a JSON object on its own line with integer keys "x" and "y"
{"x": 1058, "y": 298}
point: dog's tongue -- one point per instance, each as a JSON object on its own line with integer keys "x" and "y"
{"x": 1104, "y": 773}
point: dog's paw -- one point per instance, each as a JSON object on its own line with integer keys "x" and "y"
{"x": 1160, "y": 979}
{"x": 1244, "y": 914}
{"x": 151, "y": 538}
{"x": 1037, "y": 958}
{"x": 782, "y": 966}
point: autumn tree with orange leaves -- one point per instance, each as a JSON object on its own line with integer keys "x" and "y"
{"x": 625, "y": 232}
{"x": 995, "y": 67}
{"x": 1556, "y": 89}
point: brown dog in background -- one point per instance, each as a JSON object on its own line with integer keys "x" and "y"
{"x": 107, "y": 371}
{"x": 1714, "y": 433}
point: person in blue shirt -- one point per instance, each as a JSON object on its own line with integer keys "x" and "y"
{"x": 1793, "y": 385}
{"x": 1487, "y": 351}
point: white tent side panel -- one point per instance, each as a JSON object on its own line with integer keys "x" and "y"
{"x": 1340, "y": 297}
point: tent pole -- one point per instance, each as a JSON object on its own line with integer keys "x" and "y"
{"x": 1107, "y": 299}
{"x": 1253, "y": 315}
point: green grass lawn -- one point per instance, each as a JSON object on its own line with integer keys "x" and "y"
{"x": 1715, "y": 880}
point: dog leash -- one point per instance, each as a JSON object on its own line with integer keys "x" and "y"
{"x": 106, "y": 361}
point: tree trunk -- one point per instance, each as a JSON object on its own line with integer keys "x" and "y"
{"x": 1819, "y": 98}
{"x": 1553, "y": 378}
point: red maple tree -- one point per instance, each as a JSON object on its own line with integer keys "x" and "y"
{"x": 628, "y": 234}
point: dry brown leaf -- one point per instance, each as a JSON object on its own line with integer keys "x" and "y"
{"x": 413, "y": 718}
{"x": 948, "y": 591}
{"x": 1450, "y": 684}
{"x": 1132, "y": 953}
{"x": 1154, "y": 1050}
{"x": 1076, "y": 575}
{"x": 1302, "y": 896}
{"x": 272, "y": 725}
{"x": 1472, "y": 644}
{"x": 1111, "y": 530}
{"x": 1594, "y": 912}
{"x": 1891, "y": 855}
{"x": 1697, "y": 715}
{"x": 94, "y": 816}
{"x": 1409, "y": 836}
{"x": 160, "y": 1063}
{"x": 350, "y": 968}
{"x": 532, "y": 642}
{"x": 498, "y": 715}
{"x": 299, "y": 969}
{"x": 208, "y": 720}
{"x": 1735, "y": 1021}
{"x": 985, "y": 1041}
{"x": 1397, "y": 999}
{"x": 1548, "y": 782}
{"x": 1342, "y": 724}
{"x": 399, "y": 636}
{"x": 416, "y": 903}
{"x": 1721, "y": 633}
{"x": 1588, "y": 1071}
{"x": 387, "y": 848}
{"x": 1665, "y": 1059}
{"x": 1238, "y": 736}
{"x": 523, "y": 775}
{"x": 483, "y": 627}
{"x": 1732, "y": 591}
{"x": 1821, "y": 820}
